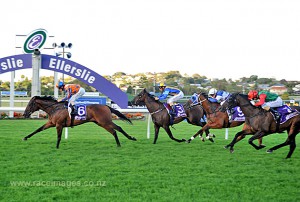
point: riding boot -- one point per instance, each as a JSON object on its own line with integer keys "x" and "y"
{"x": 276, "y": 114}
{"x": 74, "y": 109}
{"x": 171, "y": 110}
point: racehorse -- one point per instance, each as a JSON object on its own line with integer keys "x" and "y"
{"x": 59, "y": 117}
{"x": 161, "y": 117}
{"x": 196, "y": 115}
{"x": 262, "y": 123}
{"x": 216, "y": 118}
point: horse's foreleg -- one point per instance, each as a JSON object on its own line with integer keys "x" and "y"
{"x": 167, "y": 129}
{"x": 239, "y": 136}
{"x": 156, "y": 131}
{"x": 43, "y": 127}
{"x": 209, "y": 136}
{"x": 200, "y": 132}
{"x": 257, "y": 135}
{"x": 59, "y": 132}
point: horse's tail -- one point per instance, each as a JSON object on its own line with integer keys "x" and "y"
{"x": 119, "y": 114}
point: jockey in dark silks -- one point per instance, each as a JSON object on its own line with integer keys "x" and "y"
{"x": 175, "y": 94}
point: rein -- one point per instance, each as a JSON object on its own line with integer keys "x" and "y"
{"x": 216, "y": 110}
{"x": 156, "y": 111}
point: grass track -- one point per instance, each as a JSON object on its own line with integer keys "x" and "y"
{"x": 89, "y": 167}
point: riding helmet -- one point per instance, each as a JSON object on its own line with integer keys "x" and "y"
{"x": 212, "y": 91}
{"x": 60, "y": 85}
{"x": 252, "y": 94}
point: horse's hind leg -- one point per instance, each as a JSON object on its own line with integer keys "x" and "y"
{"x": 111, "y": 130}
{"x": 290, "y": 141}
{"x": 118, "y": 128}
{"x": 292, "y": 147}
{"x": 167, "y": 129}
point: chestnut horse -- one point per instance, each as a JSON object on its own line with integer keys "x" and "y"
{"x": 216, "y": 118}
{"x": 59, "y": 117}
{"x": 161, "y": 117}
{"x": 262, "y": 123}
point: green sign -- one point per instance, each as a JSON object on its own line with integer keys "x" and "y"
{"x": 35, "y": 40}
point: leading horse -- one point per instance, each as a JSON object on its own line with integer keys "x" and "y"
{"x": 262, "y": 123}
{"x": 161, "y": 117}
{"x": 59, "y": 117}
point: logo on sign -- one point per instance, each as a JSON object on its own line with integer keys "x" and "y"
{"x": 35, "y": 40}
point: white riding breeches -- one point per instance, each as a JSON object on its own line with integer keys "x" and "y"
{"x": 276, "y": 103}
{"x": 79, "y": 94}
{"x": 175, "y": 98}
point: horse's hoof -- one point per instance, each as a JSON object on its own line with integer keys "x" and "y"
{"x": 188, "y": 141}
{"x": 134, "y": 139}
{"x": 226, "y": 147}
{"x": 24, "y": 139}
{"x": 212, "y": 140}
{"x": 269, "y": 151}
{"x": 262, "y": 146}
{"x": 183, "y": 140}
{"x": 202, "y": 139}
{"x": 231, "y": 151}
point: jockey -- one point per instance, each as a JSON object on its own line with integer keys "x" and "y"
{"x": 217, "y": 95}
{"x": 267, "y": 101}
{"x": 175, "y": 94}
{"x": 73, "y": 92}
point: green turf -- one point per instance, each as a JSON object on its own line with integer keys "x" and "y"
{"x": 89, "y": 166}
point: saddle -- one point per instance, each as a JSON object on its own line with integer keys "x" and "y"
{"x": 285, "y": 113}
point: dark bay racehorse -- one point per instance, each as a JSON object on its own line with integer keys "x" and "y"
{"x": 262, "y": 123}
{"x": 216, "y": 118}
{"x": 161, "y": 117}
{"x": 59, "y": 117}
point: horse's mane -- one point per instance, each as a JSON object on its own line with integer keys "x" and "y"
{"x": 244, "y": 96}
{"x": 149, "y": 94}
{"x": 204, "y": 94}
{"x": 46, "y": 97}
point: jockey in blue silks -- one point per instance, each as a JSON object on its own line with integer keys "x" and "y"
{"x": 218, "y": 96}
{"x": 175, "y": 94}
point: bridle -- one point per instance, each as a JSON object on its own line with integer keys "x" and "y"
{"x": 33, "y": 103}
{"x": 200, "y": 103}
{"x": 143, "y": 94}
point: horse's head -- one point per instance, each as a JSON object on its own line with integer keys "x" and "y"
{"x": 36, "y": 104}
{"x": 230, "y": 102}
{"x": 141, "y": 97}
{"x": 202, "y": 97}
